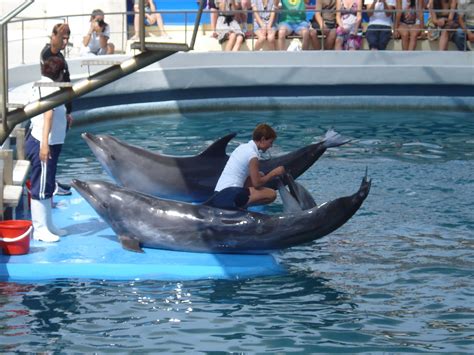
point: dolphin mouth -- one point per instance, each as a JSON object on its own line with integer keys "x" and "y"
{"x": 82, "y": 188}
{"x": 79, "y": 185}
{"x": 89, "y": 137}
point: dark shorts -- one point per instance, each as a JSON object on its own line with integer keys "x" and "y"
{"x": 378, "y": 36}
{"x": 211, "y": 4}
{"x": 230, "y": 198}
{"x": 327, "y": 25}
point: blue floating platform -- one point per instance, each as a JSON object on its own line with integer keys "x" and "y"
{"x": 91, "y": 250}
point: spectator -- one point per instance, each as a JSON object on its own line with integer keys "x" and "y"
{"x": 151, "y": 18}
{"x": 465, "y": 32}
{"x": 245, "y": 6}
{"x": 442, "y": 15}
{"x": 348, "y": 18}
{"x": 293, "y": 21}
{"x": 228, "y": 29}
{"x": 324, "y": 24}
{"x": 379, "y": 30}
{"x": 43, "y": 146}
{"x": 409, "y": 22}
{"x": 96, "y": 41}
{"x": 264, "y": 22}
{"x": 211, "y": 5}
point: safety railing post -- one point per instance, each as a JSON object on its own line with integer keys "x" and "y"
{"x": 197, "y": 23}
{"x": 4, "y": 67}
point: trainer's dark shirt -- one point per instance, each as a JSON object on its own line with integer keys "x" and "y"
{"x": 45, "y": 54}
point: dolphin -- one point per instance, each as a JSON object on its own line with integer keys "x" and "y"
{"x": 189, "y": 178}
{"x": 142, "y": 220}
{"x": 297, "y": 198}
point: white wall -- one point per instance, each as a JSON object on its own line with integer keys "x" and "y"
{"x": 36, "y": 32}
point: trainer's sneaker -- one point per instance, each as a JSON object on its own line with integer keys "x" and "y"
{"x": 62, "y": 190}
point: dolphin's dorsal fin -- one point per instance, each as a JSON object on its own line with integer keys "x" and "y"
{"x": 131, "y": 244}
{"x": 218, "y": 148}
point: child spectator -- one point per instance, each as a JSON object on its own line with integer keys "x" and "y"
{"x": 151, "y": 18}
{"x": 348, "y": 18}
{"x": 293, "y": 21}
{"x": 264, "y": 17}
{"x": 228, "y": 29}
{"x": 409, "y": 22}
{"x": 324, "y": 24}
{"x": 442, "y": 15}
{"x": 465, "y": 32}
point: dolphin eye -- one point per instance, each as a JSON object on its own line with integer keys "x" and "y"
{"x": 105, "y": 205}
{"x": 112, "y": 157}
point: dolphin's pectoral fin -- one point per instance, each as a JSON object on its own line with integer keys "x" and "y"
{"x": 131, "y": 244}
{"x": 290, "y": 204}
{"x": 299, "y": 192}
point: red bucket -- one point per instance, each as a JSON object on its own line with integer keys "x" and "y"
{"x": 15, "y": 237}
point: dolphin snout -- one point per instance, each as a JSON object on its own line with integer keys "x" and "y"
{"x": 78, "y": 184}
{"x": 89, "y": 137}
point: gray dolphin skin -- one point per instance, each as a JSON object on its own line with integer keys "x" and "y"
{"x": 189, "y": 178}
{"x": 141, "y": 220}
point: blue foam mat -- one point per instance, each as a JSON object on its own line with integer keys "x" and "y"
{"x": 91, "y": 250}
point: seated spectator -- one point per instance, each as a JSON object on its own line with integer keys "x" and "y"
{"x": 409, "y": 22}
{"x": 264, "y": 22}
{"x": 228, "y": 29}
{"x": 96, "y": 41}
{"x": 245, "y": 6}
{"x": 324, "y": 24}
{"x": 348, "y": 18}
{"x": 151, "y": 18}
{"x": 211, "y": 5}
{"x": 379, "y": 30}
{"x": 442, "y": 15}
{"x": 293, "y": 21}
{"x": 465, "y": 32}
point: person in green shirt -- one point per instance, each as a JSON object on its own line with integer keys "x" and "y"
{"x": 293, "y": 21}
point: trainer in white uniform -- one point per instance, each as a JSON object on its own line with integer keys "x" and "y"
{"x": 241, "y": 183}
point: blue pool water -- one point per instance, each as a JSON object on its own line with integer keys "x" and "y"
{"x": 398, "y": 277}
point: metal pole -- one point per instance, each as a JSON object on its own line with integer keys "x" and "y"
{"x": 4, "y": 60}
{"x": 4, "y": 67}
{"x": 196, "y": 23}
{"x": 22, "y": 42}
{"x": 141, "y": 18}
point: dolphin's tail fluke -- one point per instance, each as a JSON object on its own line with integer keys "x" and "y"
{"x": 365, "y": 185}
{"x": 334, "y": 139}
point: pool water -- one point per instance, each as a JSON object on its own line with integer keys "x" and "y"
{"x": 398, "y": 277}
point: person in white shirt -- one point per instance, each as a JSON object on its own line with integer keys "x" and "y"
{"x": 379, "y": 31}
{"x": 43, "y": 146}
{"x": 241, "y": 183}
{"x": 96, "y": 41}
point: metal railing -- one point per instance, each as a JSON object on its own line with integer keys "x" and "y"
{"x": 4, "y": 58}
